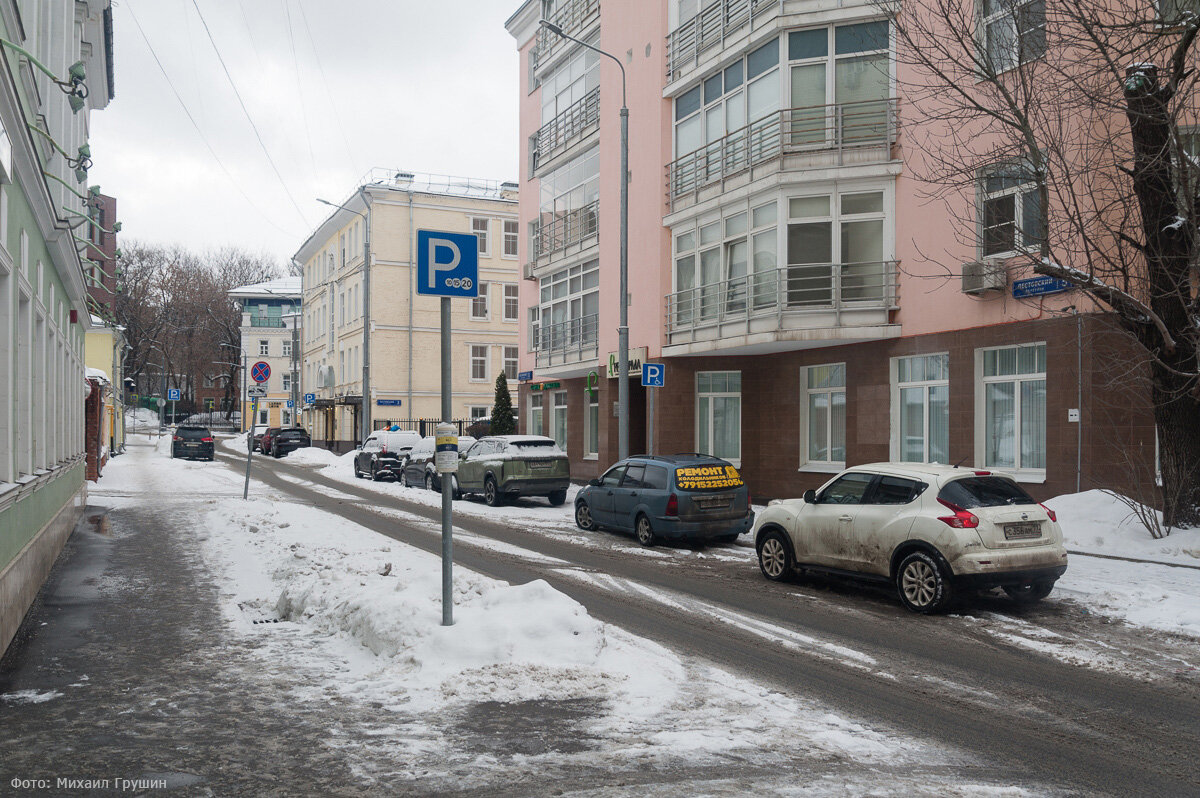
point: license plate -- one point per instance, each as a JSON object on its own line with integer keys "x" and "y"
{"x": 1029, "y": 529}
{"x": 540, "y": 464}
{"x": 191, "y": 445}
{"x": 712, "y": 504}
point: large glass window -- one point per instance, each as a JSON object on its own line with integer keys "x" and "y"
{"x": 719, "y": 414}
{"x": 570, "y": 307}
{"x": 824, "y": 405}
{"x": 569, "y": 83}
{"x": 1011, "y": 210}
{"x": 725, "y": 264}
{"x": 558, "y": 419}
{"x": 845, "y": 231}
{"x": 743, "y": 93}
{"x": 1013, "y": 32}
{"x": 1014, "y": 406}
{"x": 535, "y": 415}
{"x": 591, "y": 423}
{"x": 570, "y": 187}
{"x": 846, "y": 66}
{"x": 921, "y": 413}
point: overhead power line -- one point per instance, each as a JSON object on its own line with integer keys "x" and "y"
{"x": 236, "y": 184}
{"x": 249, "y": 118}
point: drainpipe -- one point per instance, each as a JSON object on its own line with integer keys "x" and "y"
{"x": 412, "y": 295}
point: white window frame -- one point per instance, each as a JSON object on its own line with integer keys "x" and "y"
{"x": 287, "y": 347}
{"x": 512, "y": 356}
{"x": 1020, "y": 472}
{"x": 474, "y": 359}
{"x": 511, "y": 231}
{"x": 559, "y": 404}
{"x": 535, "y": 421}
{"x": 264, "y": 347}
{"x": 994, "y": 186}
{"x": 1007, "y": 15}
{"x": 512, "y": 300}
{"x": 481, "y": 227}
{"x": 807, "y": 391}
{"x": 535, "y": 328}
{"x": 287, "y": 381}
{"x": 591, "y": 424}
{"x": 925, "y": 385}
{"x": 709, "y": 421}
{"x": 477, "y": 412}
{"x": 481, "y": 308}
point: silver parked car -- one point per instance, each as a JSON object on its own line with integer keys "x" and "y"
{"x": 931, "y": 530}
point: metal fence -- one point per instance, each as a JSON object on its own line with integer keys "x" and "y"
{"x": 424, "y": 426}
{"x": 572, "y": 16}
{"x": 566, "y": 230}
{"x": 570, "y": 341}
{"x": 688, "y": 43}
{"x": 556, "y": 133}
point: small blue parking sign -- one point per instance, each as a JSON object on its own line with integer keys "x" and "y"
{"x": 447, "y": 264}
{"x": 309, "y": 398}
{"x": 654, "y": 375}
{"x": 173, "y": 394}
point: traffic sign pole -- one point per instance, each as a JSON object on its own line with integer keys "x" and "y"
{"x": 653, "y": 376}
{"x": 249, "y": 447}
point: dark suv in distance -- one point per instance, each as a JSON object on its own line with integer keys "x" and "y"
{"x": 288, "y": 440}
{"x": 192, "y": 442}
{"x": 676, "y": 497}
{"x": 383, "y": 452}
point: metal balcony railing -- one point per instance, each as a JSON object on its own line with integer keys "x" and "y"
{"x": 828, "y": 128}
{"x": 266, "y": 321}
{"x": 573, "y": 17}
{"x": 799, "y": 287}
{"x": 570, "y": 341}
{"x": 558, "y": 233}
{"x": 558, "y": 132}
{"x": 688, "y": 43}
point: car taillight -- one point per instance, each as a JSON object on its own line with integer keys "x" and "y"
{"x": 983, "y": 473}
{"x": 673, "y": 505}
{"x": 177, "y": 438}
{"x": 1049, "y": 512}
{"x": 206, "y": 440}
{"x": 961, "y": 518}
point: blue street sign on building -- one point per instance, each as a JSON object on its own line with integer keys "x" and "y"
{"x": 1038, "y": 286}
{"x": 389, "y": 402}
{"x": 173, "y": 394}
{"x": 654, "y": 375}
{"x": 525, "y": 376}
{"x": 309, "y": 398}
{"x": 260, "y": 371}
{"x": 447, "y": 264}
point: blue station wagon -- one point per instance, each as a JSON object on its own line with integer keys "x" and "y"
{"x": 675, "y": 497}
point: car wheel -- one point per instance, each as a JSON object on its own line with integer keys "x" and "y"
{"x": 775, "y": 557}
{"x": 429, "y": 481}
{"x": 1029, "y": 594}
{"x": 357, "y": 472}
{"x": 583, "y": 517}
{"x": 403, "y": 478}
{"x": 374, "y": 473}
{"x": 491, "y": 494}
{"x": 643, "y": 530}
{"x": 922, "y": 583}
{"x": 557, "y": 498}
{"x": 455, "y": 491}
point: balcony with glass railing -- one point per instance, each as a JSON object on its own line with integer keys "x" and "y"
{"x": 812, "y": 137}
{"x": 553, "y": 138}
{"x": 573, "y": 17}
{"x": 266, "y": 321}
{"x": 564, "y": 234}
{"x": 768, "y": 305}
{"x": 707, "y": 32}
{"x": 569, "y": 342}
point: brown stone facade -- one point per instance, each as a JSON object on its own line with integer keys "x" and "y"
{"x": 1112, "y": 446}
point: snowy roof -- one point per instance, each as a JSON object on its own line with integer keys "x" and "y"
{"x": 96, "y": 374}
{"x": 289, "y": 287}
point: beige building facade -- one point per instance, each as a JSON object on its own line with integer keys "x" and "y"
{"x": 268, "y": 312}
{"x": 405, "y": 339}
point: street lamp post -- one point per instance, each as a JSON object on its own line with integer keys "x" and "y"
{"x": 623, "y": 329}
{"x": 366, "y": 347}
{"x": 293, "y": 319}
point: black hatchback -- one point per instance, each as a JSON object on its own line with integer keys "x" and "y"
{"x": 288, "y": 440}
{"x": 192, "y": 443}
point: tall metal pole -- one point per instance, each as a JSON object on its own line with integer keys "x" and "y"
{"x": 623, "y": 329}
{"x": 447, "y": 479}
{"x": 295, "y": 368}
{"x": 366, "y": 348}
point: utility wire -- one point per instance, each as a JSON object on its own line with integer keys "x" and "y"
{"x": 192, "y": 119}
{"x": 325, "y": 82}
{"x": 246, "y": 111}
{"x": 312, "y": 158}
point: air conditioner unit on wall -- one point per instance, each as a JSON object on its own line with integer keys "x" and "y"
{"x": 981, "y": 276}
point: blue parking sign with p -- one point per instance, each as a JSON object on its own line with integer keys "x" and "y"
{"x": 653, "y": 375}
{"x": 447, "y": 264}
{"x": 173, "y": 394}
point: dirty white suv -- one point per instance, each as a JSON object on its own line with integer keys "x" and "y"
{"x": 931, "y": 530}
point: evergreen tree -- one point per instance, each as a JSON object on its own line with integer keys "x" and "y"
{"x": 502, "y": 412}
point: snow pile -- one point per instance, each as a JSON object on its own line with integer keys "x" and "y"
{"x": 310, "y": 455}
{"x": 140, "y": 415}
{"x": 1098, "y": 523}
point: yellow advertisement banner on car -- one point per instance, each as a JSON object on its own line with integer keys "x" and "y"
{"x": 707, "y": 477}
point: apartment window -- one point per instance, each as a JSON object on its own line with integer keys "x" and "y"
{"x": 823, "y": 402}
{"x": 264, "y": 347}
{"x": 512, "y": 305}
{"x": 510, "y": 363}
{"x": 287, "y": 382}
{"x": 1013, "y": 32}
{"x": 746, "y": 91}
{"x": 342, "y": 309}
{"x": 1011, "y": 210}
{"x": 570, "y": 83}
{"x": 476, "y": 412}
{"x": 342, "y": 245}
{"x": 286, "y": 418}
{"x": 1173, "y": 10}
{"x": 591, "y": 424}
{"x": 735, "y": 257}
{"x": 479, "y": 303}
{"x": 846, "y": 230}
{"x": 842, "y": 65}
{"x": 262, "y": 416}
{"x": 480, "y": 228}
{"x": 535, "y": 414}
{"x": 558, "y": 419}
{"x": 719, "y": 414}
{"x": 479, "y": 363}
{"x": 921, "y": 409}
{"x": 570, "y": 302}
{"x": 512, "y": 236}
{"x": 1012, "y": 390}
{"x": 287, "y": 347}
{"x": 571, "y": 187}
{"x": 535, "y": 327}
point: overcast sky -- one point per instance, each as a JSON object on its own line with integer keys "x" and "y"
{"x": 334, "y": 88}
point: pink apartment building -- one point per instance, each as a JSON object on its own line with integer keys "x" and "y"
{"x": 780, "y": 261}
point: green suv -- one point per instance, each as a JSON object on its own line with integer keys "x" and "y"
{"x": 502, "y": 466}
